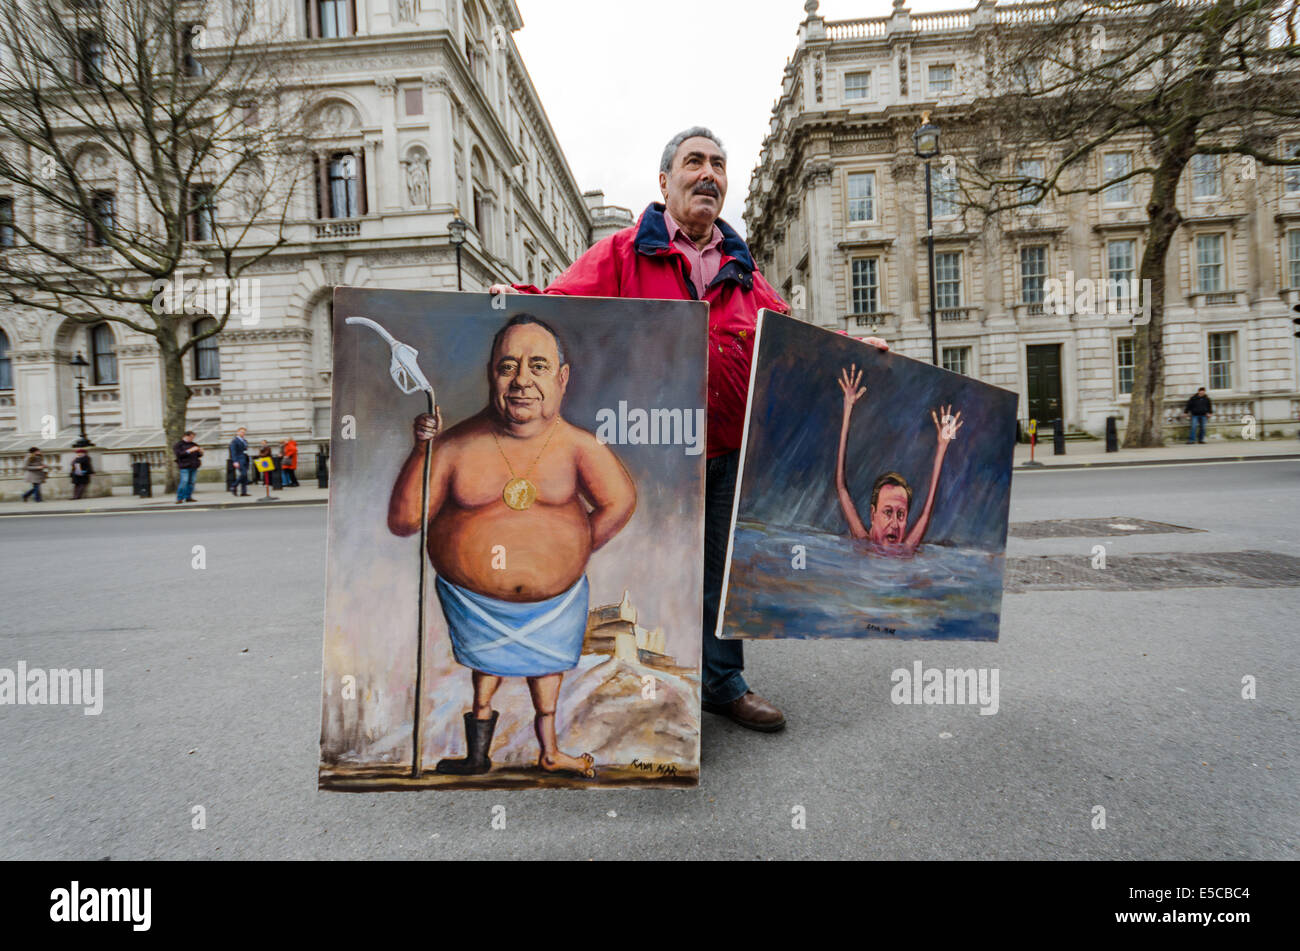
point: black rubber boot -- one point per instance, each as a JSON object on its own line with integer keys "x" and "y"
{"x": 478, "y": 738}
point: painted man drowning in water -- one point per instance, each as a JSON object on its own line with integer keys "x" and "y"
{"x": 891, "y": 496}
{"x": 519, "y": 498}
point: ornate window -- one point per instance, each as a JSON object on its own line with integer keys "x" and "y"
{"x": 207, "y": 355}
{"x": 862, "y": 196}
{"x": 866, "y": 285}
{"x": 103, "y": 355}
{"x": 1124, "y": 364}
{"x": 6, "y": 363}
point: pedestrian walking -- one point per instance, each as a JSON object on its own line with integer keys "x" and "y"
{"x": 289, "y": 464}
{"x": 36, "y": 471}
{"x": 1197, "y": 408}
{"x": 188, "y": 459}
{"x": 81, "y": 470}
{"x": 240, "y": 462}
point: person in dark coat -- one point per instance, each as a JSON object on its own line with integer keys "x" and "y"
{"x": 1198, "y": 407}
{"x": 239, "y": 459}
{"x": 188, "y": 458}
{"x": 35, "y": 472}
{"x": 81, "y": 470}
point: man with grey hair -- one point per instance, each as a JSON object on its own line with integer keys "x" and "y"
{"x": 680, "y": 249}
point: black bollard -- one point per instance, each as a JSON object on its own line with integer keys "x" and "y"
{"x": 323, "y": 465}
{"x": 1058, "y": 437}
{"x": 1112, "y": 434}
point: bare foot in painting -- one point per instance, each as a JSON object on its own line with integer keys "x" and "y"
{"x": 583, "y": 765}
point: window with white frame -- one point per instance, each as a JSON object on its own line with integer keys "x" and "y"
{"x": 857, "y": 85}
{"x": 1209, "y": 263}
{"x": 1207, "y": 176}
{"x": 1033, "y": 271}
{"x": 947, "y": 279}
{"x": 1220, "y": 347}
{"x": 942, "y": 78}
{"x": 1293, "y": 259}
{"x": 866, "y": 285}
{"x": 6, "y": 221}
{"x": 957, "y": 359}
{"x": 862, "y": 196}
{"x": 1031, "y": 169}
{"x": 1291, "y": 175}
{"x": 1121, "y": 265}
{"x": 945, "y": 192}
{"x": 1124, "y": 364}
{"x": 1116, "y": 165}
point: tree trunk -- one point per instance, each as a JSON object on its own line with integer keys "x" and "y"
{"x": 176, "y": 398}
{"x": 1146, "y": 404}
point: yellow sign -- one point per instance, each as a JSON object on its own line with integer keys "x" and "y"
{"x": 264, "y": 464}
{"x": 1033, "y": 426}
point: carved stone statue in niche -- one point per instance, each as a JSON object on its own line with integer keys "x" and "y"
{"x": 405, "y": 11}
{"x": 417, "y": 180}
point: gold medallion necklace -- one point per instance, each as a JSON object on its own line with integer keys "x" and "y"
{"x": 519, "y": 493}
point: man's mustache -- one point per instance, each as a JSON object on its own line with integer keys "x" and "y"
{"x": 706, "y": 188}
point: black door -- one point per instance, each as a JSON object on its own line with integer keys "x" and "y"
{"x": 1043, "y": 366}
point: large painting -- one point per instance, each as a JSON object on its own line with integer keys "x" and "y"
{"x": 515, "y": 560}
{"x": 872, "y": 497}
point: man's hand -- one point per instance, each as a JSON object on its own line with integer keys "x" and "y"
{"x": 501, "y": 289}
{"x": 946, "y": 424}
{"x": 876, "y": 342}
{"x": 428, "y": 427}
{"x": 849, "y": 380}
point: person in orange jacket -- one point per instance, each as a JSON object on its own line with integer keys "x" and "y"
{"x": 289, "y": 463}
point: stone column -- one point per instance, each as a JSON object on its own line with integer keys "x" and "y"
{"x": 442, "y": 171}
{"x": 389, "y": 194}
{"x": 821, "y": 303}
{"x": 387, "y": 198}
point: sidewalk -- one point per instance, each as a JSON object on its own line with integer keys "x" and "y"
{"x": 1079, "y": 455}
{"x": 1091, "y": 453}
{"x": 207, "y": 496}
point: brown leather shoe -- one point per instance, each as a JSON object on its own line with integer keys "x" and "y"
{"x": 750, "y": 711}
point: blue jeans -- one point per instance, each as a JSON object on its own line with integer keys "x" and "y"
{"x": 723, "y": 660}
{"x": 185, "y": 488}
{"x": 35, "y": 490}
{"x": 1196, "y": 432}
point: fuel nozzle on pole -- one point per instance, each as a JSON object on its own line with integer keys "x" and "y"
{"x": 404, "y": 368}
{"x": 406, "y": 373}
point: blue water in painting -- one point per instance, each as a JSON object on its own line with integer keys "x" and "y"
{"x": 847, "y": 589}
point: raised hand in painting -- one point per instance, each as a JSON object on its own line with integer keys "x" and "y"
{"x": 947, "y": 425}
{"x": 849, "y": 379}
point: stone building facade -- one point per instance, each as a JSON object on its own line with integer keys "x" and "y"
{"x": 426, "y": 112}
{"x": 836, "y": 220}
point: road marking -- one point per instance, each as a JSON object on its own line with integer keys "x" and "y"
{"x": 1096, "y": 466}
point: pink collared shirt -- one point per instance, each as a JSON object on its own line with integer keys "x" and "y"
{"x": 704, "y": 264}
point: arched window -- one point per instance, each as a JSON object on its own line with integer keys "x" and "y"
{"x": 6, "y": 365}
{"x": 207, "y": 358}
{"x": 103, "y": 355}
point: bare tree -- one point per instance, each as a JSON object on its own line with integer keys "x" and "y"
{"x": 1168, "y": 79}
{"x": 144, "y": 142}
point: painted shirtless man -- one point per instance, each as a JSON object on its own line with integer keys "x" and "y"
{"x": 519, "y": 498}
{"x": 891, "y": 496}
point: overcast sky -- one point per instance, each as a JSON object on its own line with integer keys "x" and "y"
{"x": 619, "y": 78}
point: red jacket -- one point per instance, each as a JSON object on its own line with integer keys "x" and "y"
{"x": 640, "y": 262}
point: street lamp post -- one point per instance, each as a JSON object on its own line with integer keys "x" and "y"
{"x": 79, "y": 364}
{"x": 456, "y": 233}
{"x": 927, "y": 147}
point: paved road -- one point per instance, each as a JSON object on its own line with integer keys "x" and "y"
{"x": 1130, "y": 700}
